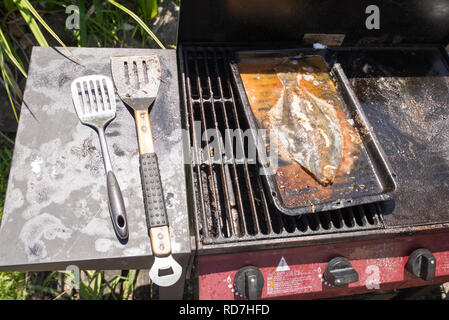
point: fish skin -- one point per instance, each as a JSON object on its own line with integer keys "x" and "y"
{"x": 309, "y": 128}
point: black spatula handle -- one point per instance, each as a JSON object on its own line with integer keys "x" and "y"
{"x": 117, "y": 206}
{"x": 153, "y": 196}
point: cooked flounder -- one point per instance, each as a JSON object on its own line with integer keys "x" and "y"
{"x": 308, "y": 127}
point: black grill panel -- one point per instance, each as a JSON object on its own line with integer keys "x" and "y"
{"x": 231, "y": 199}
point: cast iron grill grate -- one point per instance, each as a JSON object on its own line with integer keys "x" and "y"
{"x": 230, "y": 198}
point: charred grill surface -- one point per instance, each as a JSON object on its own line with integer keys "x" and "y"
{"x": 230, "y": 199}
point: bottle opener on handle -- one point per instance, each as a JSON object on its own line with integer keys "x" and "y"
{"x": 137, "y": 80}
{"x": 165, "y": 270}
{"x": 162, "y": 264}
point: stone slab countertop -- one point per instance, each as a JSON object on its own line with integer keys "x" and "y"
{"x": 56, "y": 212}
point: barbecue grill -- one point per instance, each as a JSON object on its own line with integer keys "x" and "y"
{"x": 399, "y": 73}
{"x": 221, "y": 212}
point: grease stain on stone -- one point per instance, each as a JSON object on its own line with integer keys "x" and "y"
{"x": 168, "y": 199}
{"x": 93, "y": 157}
{"x": 38, "y": 229}
{"x": 114, "y": 133}
{"x": 117, "y": 150}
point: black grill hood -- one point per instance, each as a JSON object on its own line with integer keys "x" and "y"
{"x": 287, "y": 21}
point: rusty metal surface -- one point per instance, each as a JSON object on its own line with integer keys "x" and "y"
{"x": 405, "y": 95}
{"x": 56, "y": 210}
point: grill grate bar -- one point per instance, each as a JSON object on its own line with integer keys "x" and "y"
{"x": 215, "y": 204}
{"x": 233, "y": 200}
{"x": 197, "y": 171}
{"x": 231, "y": 213}
{"x": 221, "y": 101}
{"x": 255, "y": 222}
{"x": 236, "y": 202}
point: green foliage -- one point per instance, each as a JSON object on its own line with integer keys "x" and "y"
{"x": 48, "y": 286}
{"x": 128, "y": 284}
{"x": 138, "y": 20}
{"x": 83, "y": 40}
{"x": 9, "y": 4}
{"x": 6, "y": 48}
{"x": 148, "y": 9}
{"x": 27, "y": 15}
{"x": 7, "y": 82}
{"x": 11, "y": 55}
{"x": 26, "y": 8}
{"x": 96, "y": 288}
{"x": 12, "y": 285}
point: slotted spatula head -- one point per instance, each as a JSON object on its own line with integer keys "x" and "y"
{"x": 94, "y": 99}
{"x": 136, "y": 79}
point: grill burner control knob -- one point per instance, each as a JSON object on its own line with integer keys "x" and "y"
{"x": 422, "y": 264}
{"x": 339, "y": 272}
{"x": 248, "y": 282}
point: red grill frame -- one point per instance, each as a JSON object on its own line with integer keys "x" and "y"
{"x": 388, "y": 257}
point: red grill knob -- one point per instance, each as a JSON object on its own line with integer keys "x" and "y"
{"x": 422, "y": 264}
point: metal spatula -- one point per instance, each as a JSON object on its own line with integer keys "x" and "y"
{"x": 94, "y": 100}
{"x": 137, "y": 80}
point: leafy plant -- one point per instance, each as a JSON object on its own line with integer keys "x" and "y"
{"x": 100, "y": 28}
{"x": 13, "y": 285}
{"x": 25, "y": 9}
{"x": 95, "y": 288}
{"x": 6, "y": 50}
{"x": 7, "y": 82}
{"x": 83, "y": 29}
{"x": 30, "y": 15}
{"x": 138, "y": 20}
{"x": 148, "y": 8}
{"x": 27, "y": 15}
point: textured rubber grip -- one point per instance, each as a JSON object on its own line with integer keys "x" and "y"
{"x": 153, "y": 197}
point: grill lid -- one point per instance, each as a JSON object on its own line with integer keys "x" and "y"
{"x": 336, "y": 22}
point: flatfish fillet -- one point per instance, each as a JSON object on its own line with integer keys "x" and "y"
{"x": 308, "y": 127}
